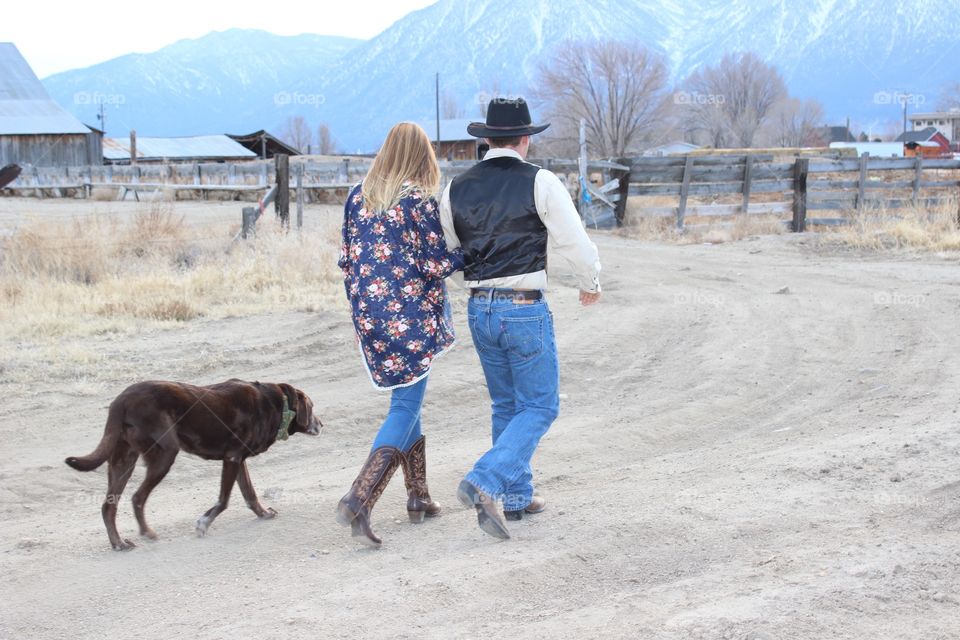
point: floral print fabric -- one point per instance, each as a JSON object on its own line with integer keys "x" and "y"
{"x": 394, "y": 263}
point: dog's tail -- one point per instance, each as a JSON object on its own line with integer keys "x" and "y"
{"x": 111, "y": 435}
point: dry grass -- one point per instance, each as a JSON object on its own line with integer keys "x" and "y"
{"x": 97, "y": 274}
{"x": 917, "y": 228}
{"x": 699, "y": 230}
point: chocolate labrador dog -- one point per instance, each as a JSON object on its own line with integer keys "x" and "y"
{"x": 230, "y": 421}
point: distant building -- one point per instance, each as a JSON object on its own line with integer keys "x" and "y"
{"x": 832, "y": 134}
{"x": 946, "y": 122}
{"x": 927, "y": 142}
{"x": 213, "y": 148}
{"x": 35, "y": 130}
{"x": 875, "y": 149}
{"x": 671, "y": 148}
{"x": 264, "y": 144}
{"x": 455, "y": 142}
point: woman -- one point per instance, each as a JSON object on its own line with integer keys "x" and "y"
{"x": 394, "y": 261}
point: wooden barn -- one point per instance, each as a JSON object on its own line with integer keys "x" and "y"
{"x": 35, "y": 130}
{"x": 455, "y": 142}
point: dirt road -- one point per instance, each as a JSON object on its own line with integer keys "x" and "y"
{"x": 730, "y": 462}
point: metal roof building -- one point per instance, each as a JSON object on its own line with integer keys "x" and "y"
{"x": 213, "y": 148}
{"x": 35, "y": 130}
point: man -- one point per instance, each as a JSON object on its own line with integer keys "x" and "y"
{"x": 503, "y": 213}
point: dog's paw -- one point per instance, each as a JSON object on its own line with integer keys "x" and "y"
{"x": 268, "y": 514}
{"x": 203, "y": 523}
{"x": 124, "y": 545}
{"x": 150, "y": 534}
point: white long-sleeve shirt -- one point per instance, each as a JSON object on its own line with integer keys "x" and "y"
{"x": 567, "y": 237}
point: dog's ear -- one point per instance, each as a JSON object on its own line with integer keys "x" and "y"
{"x": 304, "y": 409}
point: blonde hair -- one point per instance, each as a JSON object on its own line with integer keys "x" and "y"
{"x": 406, "y": 162}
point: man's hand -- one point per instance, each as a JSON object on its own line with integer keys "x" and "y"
{"x": 587, "y": 298}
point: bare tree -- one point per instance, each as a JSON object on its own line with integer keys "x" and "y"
{"x": 325, "y": 144}
{"x": 450, "y": 106}
{"x": 796, "y": 123}
{"x": 728, "y": 104}
{"x": 296, "y": 132}
{"x": 618, "y": 88}
{"x": 949, "y": 97}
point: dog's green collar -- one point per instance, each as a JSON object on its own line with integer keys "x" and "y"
{"x": 285, "y": 419}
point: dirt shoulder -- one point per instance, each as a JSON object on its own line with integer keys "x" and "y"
{"x": 730, "y": 462}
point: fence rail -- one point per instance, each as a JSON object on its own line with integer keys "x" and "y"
{"x": 759, "y": 183}
{"x": 800, "y": 185}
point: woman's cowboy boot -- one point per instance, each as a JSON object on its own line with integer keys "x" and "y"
{"x": 419, "y": 504}
{"x": 355, "y": 507}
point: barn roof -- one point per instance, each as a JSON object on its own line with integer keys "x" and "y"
{"x": 213, "y": 147}
{"x": 25, "y": 106}
{"x": 922, "y": 135}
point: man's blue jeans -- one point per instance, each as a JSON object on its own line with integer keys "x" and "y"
{"x": 518, "y": 353}
{"x": 402, "y": 425}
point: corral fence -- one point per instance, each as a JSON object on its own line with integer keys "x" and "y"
{"x": 761, "y": 184}
{"x": 708, "y": 187}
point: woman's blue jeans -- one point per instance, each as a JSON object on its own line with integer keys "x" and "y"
{"x": 402, "y": 425}
{"x": 518, "y": 353}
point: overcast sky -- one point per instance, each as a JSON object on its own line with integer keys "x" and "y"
{"x": 60, "y": 35}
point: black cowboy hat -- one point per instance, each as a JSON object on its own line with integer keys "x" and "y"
{"x": 505, "y": 119}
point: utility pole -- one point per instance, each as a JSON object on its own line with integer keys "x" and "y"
{"x": 905, "y": 114}
{"x": 437, "y": 95}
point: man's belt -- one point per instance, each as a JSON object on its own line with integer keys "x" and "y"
{"x": 506, "y": 295}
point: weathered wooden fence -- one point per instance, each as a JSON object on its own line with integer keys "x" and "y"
{"x": 794, "y": 186}
{"x": 702, "y": 186}
{"x": 256, "y": 176}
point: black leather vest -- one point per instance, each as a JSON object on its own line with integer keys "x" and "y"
{"x": 495, "y": 217}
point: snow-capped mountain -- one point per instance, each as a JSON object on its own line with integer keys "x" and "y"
{"x": 214, "y": 84}
{"x": 854, "y": 56}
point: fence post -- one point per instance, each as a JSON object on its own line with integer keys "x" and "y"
{"x": 250, "y": 215}
{"x": 917, "y": 172}
{"x": 282, "y": 203}
{"x": 862, "y": 181}
{"x": 620, "y": 211}
{"x": 299, "y": 196}
{"x": 747, "y": 179}
{"x": 800, "y": 171}
{"x": 684, "y": 190}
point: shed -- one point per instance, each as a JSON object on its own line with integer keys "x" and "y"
{"x": 927, "y": 142}
{"x": 212, "y": 148}
{"x": 35, "y": 130}
{"x": 264, "y": 144}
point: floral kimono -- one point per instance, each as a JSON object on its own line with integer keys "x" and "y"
{"x": 394, "y": 263}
